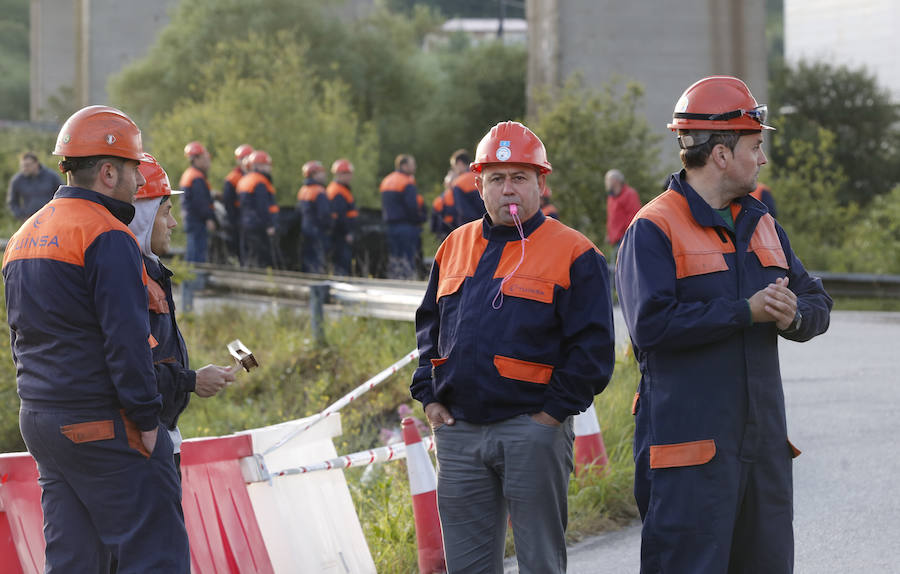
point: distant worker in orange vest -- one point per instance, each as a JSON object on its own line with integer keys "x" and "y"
{"x": 197, "y": 204}
{"x": 230, "y": 197}
{"x": 259, "y": 212}
{"x": 467, "y": 202}
{"x": 764, "y": 194}
{"x": 442, "y": 219}
{"x": 547, "y": 208}
{"x": 315, "y": 211}
{"x": 343, "y": 216}
{"x": 403, "y": 210}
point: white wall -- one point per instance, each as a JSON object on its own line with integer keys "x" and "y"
{"x": 846, "y": 32}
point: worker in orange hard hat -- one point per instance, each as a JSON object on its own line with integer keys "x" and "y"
{"x": 708, "y": 284}
{"x": 442, "y": 219}
{"x": 467, "y": 204}
{"x": 403, "y": 211}
{"x": 76, "y": 300}
{"x": 343, "y": 215}
{"x": 197, "y": 204}
{"x": 515, "y": 336}
{"x": 259, "y": 212}
{"x": 315, "y": 213}
{"x": 230, "y": 197}
{"x": 152, "y": 227}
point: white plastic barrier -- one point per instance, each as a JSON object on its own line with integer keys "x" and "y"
{"x": 308, "y": 522}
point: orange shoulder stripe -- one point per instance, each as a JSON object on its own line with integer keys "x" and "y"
{"x": 396, "y": 181}
{"x": 549, "y": 253}
{"x": 52, "y": 234}
{"x": 189, "y": 176}
{"x": 251, "y": 180}
{"x": 698, "y": 250}
{"x": 458, "y": 257}
{"x": 466, "y": 182}
{"x": 234, "y": 176}
{"x": 335, "y": 189}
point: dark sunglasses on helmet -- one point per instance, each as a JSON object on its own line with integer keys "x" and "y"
{"x": 759, "y": 114}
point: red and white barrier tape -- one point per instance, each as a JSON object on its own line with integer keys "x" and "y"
{"x": 346, "y": 399}
{"x": 362, "y": 458}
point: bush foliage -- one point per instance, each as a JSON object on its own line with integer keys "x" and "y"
{"x": 588, "y": 132}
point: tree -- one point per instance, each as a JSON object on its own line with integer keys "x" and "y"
{"x": 587, "y": 132}
{"x": 263, "y": 97}
{"x": 427, "y": 104}
{"x": 851, "y": 105}
{"x": 14, "y": 50}
{"x": 873, "y": 243}
{"x": 807, "y": 186}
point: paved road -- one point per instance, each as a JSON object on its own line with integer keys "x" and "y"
{"x": 843, "y": 401}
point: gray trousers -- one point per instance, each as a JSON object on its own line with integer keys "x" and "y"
{"x": 517, "y": 468}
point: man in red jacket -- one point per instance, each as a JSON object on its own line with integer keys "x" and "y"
{"x": 622, "y": 202}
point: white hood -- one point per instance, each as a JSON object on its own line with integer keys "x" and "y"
{"x": 142, "y": 224}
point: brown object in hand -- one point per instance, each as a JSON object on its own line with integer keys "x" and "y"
{"x": 242, "y": 355}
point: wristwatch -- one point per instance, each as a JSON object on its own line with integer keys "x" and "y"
{"x": 795, "y": 324}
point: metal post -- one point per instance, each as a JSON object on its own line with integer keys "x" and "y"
{"x": 318, "y": 295}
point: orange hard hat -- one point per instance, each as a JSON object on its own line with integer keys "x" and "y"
{"x": 511, "y": 142}
{"x": 242, "y": 151}
{"x": 157, "y": 181}
{"x": 194, "y": 148}
{"x": 99, "y": 131}
{"x": 342, "y": 166}
{"x": 259, "y": 157}
{"x": 312, "y": 167}
{"x": 719, "y": 103}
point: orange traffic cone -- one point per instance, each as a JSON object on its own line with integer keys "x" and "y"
{"x": 590, "y": 451}
{"x": 423, "y": 487}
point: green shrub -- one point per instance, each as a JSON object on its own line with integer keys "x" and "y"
{"x": 588, "y": 132}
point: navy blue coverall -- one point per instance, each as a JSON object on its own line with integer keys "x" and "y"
{"x": 76, "y": 302}
{"x": 315, "y": 211}
{"x": 403, "y": 210}
{"x": 713, "y": 476}
{"x": 197, "y": 208}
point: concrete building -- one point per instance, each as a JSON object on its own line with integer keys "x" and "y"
{"x": 858, "y": 34}
{"x": 664, "y": 46}
{"x": 76, "y": 45}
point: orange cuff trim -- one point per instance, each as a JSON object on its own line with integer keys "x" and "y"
{"x": 153, "y": 342}
{"x": 89, "y": 431}
{"x": 682, "y": 454}
{"x": 795, "y": 452}
{"x": 634, "y": 403}
{"x": 438, "y": 362}
{"x": 523, "y": 370}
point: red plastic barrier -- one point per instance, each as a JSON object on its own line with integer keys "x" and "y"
{"x": 21, "y": 517}
{"x": 221, "y": 524}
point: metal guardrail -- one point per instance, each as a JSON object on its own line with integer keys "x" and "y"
{"x": 860, "y": 285}
{"x": 378, "y": 298}
{"x": 390, "y": 299}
